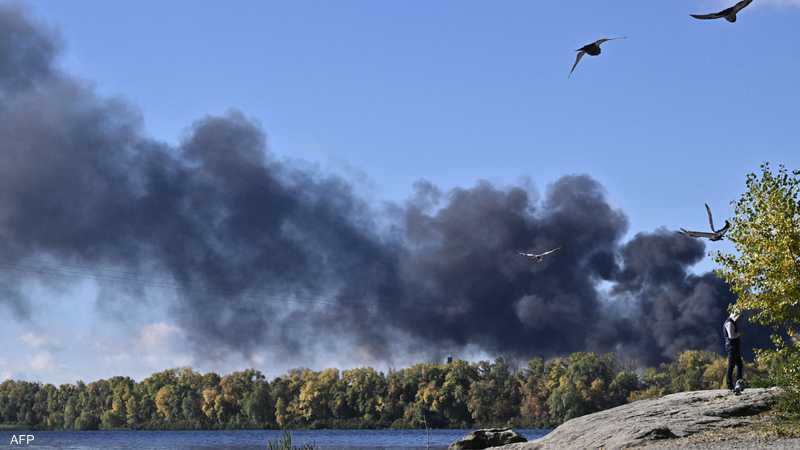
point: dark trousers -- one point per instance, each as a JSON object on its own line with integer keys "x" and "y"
{"x": 734, "y": 359}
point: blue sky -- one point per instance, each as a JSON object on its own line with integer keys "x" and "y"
{"x": 450, "y": 91}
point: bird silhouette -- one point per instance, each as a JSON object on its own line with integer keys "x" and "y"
{"x": 592, "y": 49}
{"x": 715, "y": 235}
{"x": 539, "y": 257}
{"x": 728, "y": 14}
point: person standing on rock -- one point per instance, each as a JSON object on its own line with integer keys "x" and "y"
{"x": 733, "y": 345}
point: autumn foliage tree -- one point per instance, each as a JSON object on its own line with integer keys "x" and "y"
{"x": 765, "y": 274}
{"x": 765, "y": 271}
{"x": 458, "y": 394}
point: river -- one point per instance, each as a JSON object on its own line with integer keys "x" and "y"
{"x": 239, "y": 440}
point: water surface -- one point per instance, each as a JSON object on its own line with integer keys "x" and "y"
{"x": 242, "y": 440}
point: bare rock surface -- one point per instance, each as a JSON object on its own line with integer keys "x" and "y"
{"x": 645, "y": 422}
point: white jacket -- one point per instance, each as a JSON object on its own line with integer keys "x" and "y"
{"x": 731, "y": 331}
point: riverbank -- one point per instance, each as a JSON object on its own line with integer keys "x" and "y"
{"x": 697, "y": 418}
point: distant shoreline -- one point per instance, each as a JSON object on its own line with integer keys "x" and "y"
{"x": 454, "y": 395}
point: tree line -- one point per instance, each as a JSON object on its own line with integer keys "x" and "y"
{"x": 456, "y": 394}
{"x": 763, "y": 274}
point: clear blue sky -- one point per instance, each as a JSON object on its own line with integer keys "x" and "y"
{"x": 457, "y": 91}
{"x": 465, "y": 90}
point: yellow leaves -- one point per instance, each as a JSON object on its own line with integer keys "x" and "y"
{"x": 714, "y": 374}
{"x": 765, "y": 273}
{"x": 163, "y": 399}
{"x": 597, "y": 387}
{"x": 210, "y": 396}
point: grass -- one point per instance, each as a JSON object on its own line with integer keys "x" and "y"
{"x": 765, "y": 428}
{"x": 285, "y": 443}
{"x": 779, "y": 426}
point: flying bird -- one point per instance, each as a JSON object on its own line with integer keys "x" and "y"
{"x": 539, "y": 257}
{"x": 592, "y": 49}
{"x": 728, "y": 14}
{"x": 715, "y": 235}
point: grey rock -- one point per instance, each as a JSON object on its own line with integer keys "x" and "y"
{"x": 486, "y": 438}
{"x": 643, "y": 422}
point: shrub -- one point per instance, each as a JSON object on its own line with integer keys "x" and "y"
{"x": 285, "y": 443}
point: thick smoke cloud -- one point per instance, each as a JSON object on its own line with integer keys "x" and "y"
{"x": 466, "y": 284}
{"x": 266, "y": 252}
{"x": 674, "y": 309}
{"x": 26, "y": 53}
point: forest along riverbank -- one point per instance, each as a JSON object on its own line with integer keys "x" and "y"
{"x": 459, "y": 394}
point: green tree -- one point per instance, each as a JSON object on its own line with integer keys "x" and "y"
{"x": 87, "y": 421}
{"x": 624, "y": 383}
{"x": 401, "y": 393}
{"x": 584, "y": 386}
{"x": 534, "y": 392}
{"x": 764, "y": 272}
{"x": 441, "y": 394}
{"x": 132, "y": 415}
{"x": 110, "y": 420}
{"x": 365, "y": 389}
{"x": 688, "y": 371}
{"x": 70, "y": 413}
{"x": 281, "y": 393}
{"x": 316, "y": 395}
{"x": 257, "y": 405}
{"x": 190, "y": 409}
{"x": 494, "y": 397}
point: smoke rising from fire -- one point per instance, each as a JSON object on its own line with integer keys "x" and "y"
{"x": 263, "y": 251}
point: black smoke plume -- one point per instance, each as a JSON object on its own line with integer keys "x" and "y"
{"x": 263, "y": 252}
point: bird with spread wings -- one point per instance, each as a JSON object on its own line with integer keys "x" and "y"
{"x": 714, "y": 235}
{"x": 592, "y": 49}
{"x": 539, "y": 257}
{"x": 728, "y": 14}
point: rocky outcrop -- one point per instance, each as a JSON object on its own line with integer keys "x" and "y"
{"x": 491, "y": 437}
{"x": 638, "y": 423}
